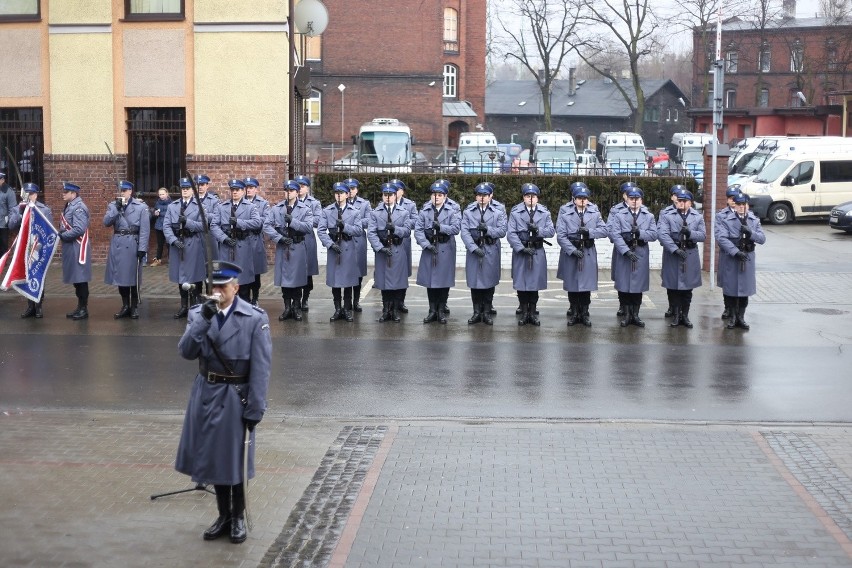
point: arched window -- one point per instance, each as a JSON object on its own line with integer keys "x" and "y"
{"x": 451, "y": 81}
{"x": 451, "y": 30}
{"x": 313, "y": 109}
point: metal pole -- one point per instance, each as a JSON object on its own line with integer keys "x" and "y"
{"x": 291, "y": 99}
{"x": 718, "y": 88}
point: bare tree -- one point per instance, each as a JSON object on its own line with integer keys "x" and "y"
{"x": 545, "y": 38}
{"x": 628, "y": 33}
{"x": 836, "y": 11}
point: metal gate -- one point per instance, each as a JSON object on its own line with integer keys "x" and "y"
{"x": 22, "y": 136}
{"x": 156, "y": 148}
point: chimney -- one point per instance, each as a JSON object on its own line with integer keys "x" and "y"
{"x": 789, "y": 9}
{"x": 572, "y": 81}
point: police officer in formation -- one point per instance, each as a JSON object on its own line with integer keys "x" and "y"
{"x": 210, "y": 203}
{"x": 131, "y": 227}
{"x": 728, "y": 210}
{"x": 184, "y": 231}
{"x": 738, "y": 232}
{"x": 668, "y": 209}
{"x": 679, "y": 230}
{"x": 232, "y": 230}
{"x": 389, "y": 227}
{"x": 310, "y": 238}
{"x": 483, "y": 225}
{"x": 338, "y": 228}
{"x": 287, "y": 224}
{"x": 16, "y": 215}
{"x": 529, "y": 224}
{"x": 411, "y": 207}
{"x": 76, "y": 248}
{"x": 364, "y": 207}
{"x": 625, "y": 187}
{"x": 435, "y": 230}
{"x": 231, "y": 341}
{"x": 255, "y": 237}
{"x": 631, "y": 229}
{"x": 578, "y": 224}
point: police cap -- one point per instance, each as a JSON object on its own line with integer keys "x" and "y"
{"x": 68, "y": 186}
{"x": 224, "y": 272}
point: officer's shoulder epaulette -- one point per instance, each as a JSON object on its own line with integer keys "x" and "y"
{"x": 258, "y": 309}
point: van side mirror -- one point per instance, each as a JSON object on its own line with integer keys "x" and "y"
{"x": 788, "y": 181}
{"x": 454, "y": 159}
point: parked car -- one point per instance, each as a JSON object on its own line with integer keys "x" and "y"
{"x": 655, "y": 156}
{"x": 841, "y": 217}
{"x": 521, "y": 164}
{"x": 587, "y": 163}
{"x": 347, "y": 163}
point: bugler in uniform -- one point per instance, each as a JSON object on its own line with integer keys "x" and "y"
{"x": 131, "y": 226}
{"x": 578, "y": 224}
{"x": 738, "y": 233}
{"x": 184, "y": 231}
{"x": 679, "y": 230}
{"x": 364, "y": 208}
{"x": 435, "y": 230}
{"x": 390, "y": 225}
{"x": 76, "y": 248}
{"x": 483, "y": 225}
{"x": 261, "y": 266}
{"x": 232, "y": 230}
{"x": 630, "y": 230}
{"x": 287, "y": 224}
{"x": 310, "y": 238}
{"x": 228, "y": 397}
{"x": 16, "y": 215}
{"x": 529, "y": 225}
{"x": 339, "y": 225}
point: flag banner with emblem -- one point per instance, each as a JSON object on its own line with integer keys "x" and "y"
{"x": 30, "y": 255}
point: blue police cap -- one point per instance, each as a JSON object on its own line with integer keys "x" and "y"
{"x": 625, "y": 187}
{"x": 438, "y": 187}
{"x": 236, "y": 184}
{"x": 683, "y": 194}
{"x": 352, "y": 182}
{"x": 291, "y": 185}
{"x": 741, "y": 198}
{"x": 444, "y": 182}
{"x": 530, "y": 188}
{"x": 199, "y": 179}
{"x": 68, "y": 186}
{"x": 489, "y": 184}
{"x": 341, "y": 186}
{"x": 635, "y": 192}
{"x": 224, "y": 272}
{"x": 30, "y": 187}
{"x": 579, "y": 186}
{"x": 399, "y": 184}
{"x": 251, "y": 182}
{"x": 303, "y": 180}
{"x": 185, "y": 182}
{"x": 125, "y": 185}
{"x": 677, "y": 188}
{"x": 390, "y": 187}
{"x": 2, "y": 174}
{"x": 483, "y": 189}
{"x": 732, "y": 191}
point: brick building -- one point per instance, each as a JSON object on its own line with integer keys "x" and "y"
{"x": 782, "y": 77}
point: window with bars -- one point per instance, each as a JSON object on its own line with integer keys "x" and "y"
{"x": 451, "y": 30}
{"x": 156, "y": 147}
{"x": 20, "y": 10}
{"x": 313, "y": 109}
{"x": 451, "y": 77}
{"x": 154, "y": 9}
{"x": 22, "y": 133}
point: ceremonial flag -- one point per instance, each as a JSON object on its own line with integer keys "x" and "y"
{"x": 30, "y": 255}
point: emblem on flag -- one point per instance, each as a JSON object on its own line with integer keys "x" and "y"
{"x": 30, "y": 255}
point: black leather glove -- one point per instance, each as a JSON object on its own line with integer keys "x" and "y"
{"x": 340, "y": 225}
{"x": 231, "y": 242}
{"x": 632, "y": 256}
{"x": 140, "y": 254}
{"x": 390, "y": 227}
{"x": 532, "y": 228}
{"x": 746, "y": 232}
{"x": 281, "y": 231}
{"x": 681, "y": 254}
{"x": 286, "y": 241}
{"x": 178, "y": 244}
{"x": 483, "y": 228}
{"x": 528, "y": 251}
{"x": 250, "y": 424}
{"x": 65, "y": 237}
{"x": 741, "y": 255}
{"x": 119, "y": 203}
{"x": 233, "y": 221}
{"x": 181, "y": 219}
{"x": 335, "y": 247}
{"x": 436, "y": 226}
{"x": 288, "y": 217}
{"x": 386, "y": 250}
{"x": 584, "y": 232}
{"x": 634, "y": 235}
{"x": 479, "y": 252}
{"x": 577, "y": 253}
{"x": 685, "y": 232}
{"x": 209, "y": 309}
{"x": 431, "y": 248}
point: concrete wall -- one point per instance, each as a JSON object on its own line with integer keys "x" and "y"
{"x": 20, "y": 59}
{"x": 154, "y": 62}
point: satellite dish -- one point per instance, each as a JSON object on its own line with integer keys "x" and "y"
{"x": 310, "y": 17}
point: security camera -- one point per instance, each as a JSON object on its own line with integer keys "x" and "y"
{"x": 802, "y": 98}
{"x": 681, "y": 101}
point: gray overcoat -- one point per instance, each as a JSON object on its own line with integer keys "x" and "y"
{"x": 211, "y": 443}
{"x": 577, "y": 276}
{"x": 74, "y": 223}
{"x": 187, "y": 265}
{"x": 680, "y": 274}
{"x": 261, "y": 266}
{"x": 341, "y": 270}
{"x": 441, "y": 274}
{"x": 248, "y": 220}
{"x": 311, "y": 239}
{"x": 391, "y": 273}
{"x": 361, "y": 240}
{"x": 529, "y": 273}
{"x": 291, "y": 261}
{"x": 628, "y": 276}
{"x": 481, "y": 273}
{"x": 738, "y": 277}
{"x": 131, "y": 230}
{"x": 411, "y": 207}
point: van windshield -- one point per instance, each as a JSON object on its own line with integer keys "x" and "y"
{"x": 625, "y": 154}
{"x": 550, "y": 155}
{"x": 773, "y": 171}
{"x": 755, "y": 164}
{"x": 385, "y": 148}
{"x": 479, "y": 154}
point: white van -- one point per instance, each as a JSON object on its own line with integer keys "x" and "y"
{"x": 687, "y": 150}
{"x": 553, "y": 153}
{"x": 751, "y": 163}
{"x": 793, "y": 186}
{"x": 622, "y": 153}
{"x": 477, "y": 153}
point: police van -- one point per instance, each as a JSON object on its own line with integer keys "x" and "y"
{"x": 801, "y": 185}
{"x": 553, "y": 153}
{"x": 687, "y": 150}
{"x": 759, "y": 151}
{"x": 621, "y": 153}
{"x": 477, "y": 153}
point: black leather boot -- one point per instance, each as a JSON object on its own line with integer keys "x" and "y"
{"x": 732, "y": 315}
{"x": 726, "y": 314}
{"x": 477, "y": 314}
{"x": 82, "y": 313}
{"x": 38, "y": 313}
{"x": 70, "y": 315}
{"x": 134, "y": 309}
{"x": 675, "y": 318}
{"x": 684, "y": 317}
{"x": 486, "y": 315}
{"x": 385, "y": 312}
{"x": 443, "y": 310}
{"x": 572, "y": 315}
{"x": 184, "y": 307}
{"x": 393, "y": 310}
{"x": 741, "y": 322}
{"x": 491, "y": 310}
{"x": 433, "y": 313}
{"x": 296, "y": 309}
{"x": 305, "y": 295}
{"x": 338, "y": 312}
{"x": 222, "y": 525}
{"x": 627, "y": 315}
{"x": 287, "y": 313}
{"x": 524, "y": 314}
{"x": 124, "y": 312}
{"x": 620, "y": 311}
{"x": 634, "y": 319}
{"x": 238, "y": 528}
{"x": 348, "y": 306}
{"x": 520, "y": 309}
{"x": 30, "y": 311}
{"x": 532, "y": 315}
{"x": 356, "y": 299}
{"x": 587, "y": 321}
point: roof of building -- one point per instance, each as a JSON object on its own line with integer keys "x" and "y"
{"x": 458, "y": 109}
{"x": 742, "y": 24}
{"x": 597, "y": 97}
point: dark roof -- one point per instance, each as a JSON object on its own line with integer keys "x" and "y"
{"x": 596, "y": 97}
{"x": 737, "y": 24}
{"x": 457, "y": 109}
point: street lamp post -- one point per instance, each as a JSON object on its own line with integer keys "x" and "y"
{"x": 341, "y": 87}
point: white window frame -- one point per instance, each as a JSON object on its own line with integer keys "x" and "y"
{"x": 315, "y": 102}
{"x": 451, "y": 81}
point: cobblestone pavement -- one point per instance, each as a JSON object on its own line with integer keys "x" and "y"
{"x": 77, "y": 490}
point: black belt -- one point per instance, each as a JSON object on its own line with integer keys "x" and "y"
{"x": 127, "y": 232}
{"x": 220, "y": 378}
